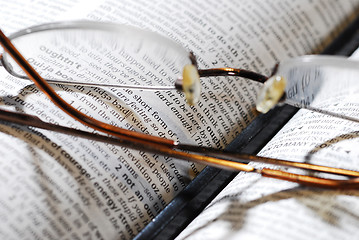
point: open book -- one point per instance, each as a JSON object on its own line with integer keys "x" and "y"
{"x": 58, "y": 186}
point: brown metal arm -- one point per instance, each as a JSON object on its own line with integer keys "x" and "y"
{"x": 152, "y": 144}
{"x": 208, "y": 156}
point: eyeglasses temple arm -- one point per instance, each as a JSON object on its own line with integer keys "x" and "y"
{"x": 155, "y": 147}
{"x": 246, "y": 158}
{"x": 237, "y": 162}
{"x": 310, "y": 180}
{"x": 151, "y": 147}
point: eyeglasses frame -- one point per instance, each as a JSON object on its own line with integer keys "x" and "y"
{"x": 168, "y": 147}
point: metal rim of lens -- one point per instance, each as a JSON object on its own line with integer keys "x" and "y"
{"x": 106, "y": 26}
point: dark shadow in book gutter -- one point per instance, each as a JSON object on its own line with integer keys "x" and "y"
{"x": 172, "y": 221}
{"x": 321, "y": 202}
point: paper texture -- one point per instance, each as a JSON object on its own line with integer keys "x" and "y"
{"x": 56, "y": 186}
{"x": 253, "y": 207}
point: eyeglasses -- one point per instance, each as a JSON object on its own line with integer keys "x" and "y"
{"x": 121, "y": 57}
{"x": 324, "y": 84}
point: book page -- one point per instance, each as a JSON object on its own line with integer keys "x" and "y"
{"x": 254, "y": 207}
{"x": 57, "y": 186}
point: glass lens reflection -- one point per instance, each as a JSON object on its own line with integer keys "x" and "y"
{"x": 325, "y": 84}
{"x": 102, "y": 55}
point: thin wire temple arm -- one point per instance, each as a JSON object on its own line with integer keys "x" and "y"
{"x": 229, "y": 160}
{"x": 246, "y": 158}
{"x": 137, "y": 144}
{"x": 213, "y": 72}
{"x": 88, "y": 84}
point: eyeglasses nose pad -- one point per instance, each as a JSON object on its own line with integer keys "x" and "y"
{"x": 271, "y": 93}
{"x": 190, "y": 84}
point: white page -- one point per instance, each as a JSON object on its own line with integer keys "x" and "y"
{"x": 94, "y": 189}
{"x": 255, "y": 207}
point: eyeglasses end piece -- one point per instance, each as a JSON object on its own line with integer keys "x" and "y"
{"x": 271, "y": 93}
{"x": 191, "y": 84}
